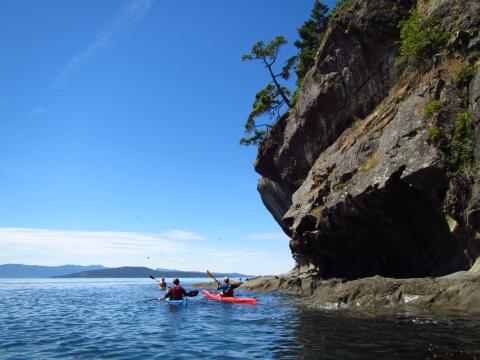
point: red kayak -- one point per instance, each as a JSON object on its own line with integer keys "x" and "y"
{"x": 238, "y": 300}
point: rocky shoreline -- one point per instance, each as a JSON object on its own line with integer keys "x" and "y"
{"x": 456, "y": 293}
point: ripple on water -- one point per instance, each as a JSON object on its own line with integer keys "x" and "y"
{"x": 104, "y": 319}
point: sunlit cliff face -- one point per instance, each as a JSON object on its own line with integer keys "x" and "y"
{"x": 354, "y": 176}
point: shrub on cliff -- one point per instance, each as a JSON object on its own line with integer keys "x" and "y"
{"x": 457, "y": 146}
{"x": 420, "y": 39}
{"x": 433, "y": 107}
{"x": 462, "y": 145}
{"x": 464, "y": 76}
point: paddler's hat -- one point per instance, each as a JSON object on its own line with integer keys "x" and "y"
{"x": 226, "y": 279}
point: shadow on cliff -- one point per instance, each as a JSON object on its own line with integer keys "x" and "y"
{"x": 397, "y": 231}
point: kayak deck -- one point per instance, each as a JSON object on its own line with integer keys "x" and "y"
{"x": 237, "y": 300}
{"x": 177, "y": 302}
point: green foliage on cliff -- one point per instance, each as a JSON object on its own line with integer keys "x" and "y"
{"x": 433, "y": 133}
{"x": 274, "y": 97}
{"x": 433, "y": 107}
{"x": 267, "y": 101}
{"x": 420, "y": 39}
{"x": 311, "y": 35}
{"x": 271, "y": 99}
{"x": 464, "y": 76}
{"x": 462, "y": 145}
{"x": 456, "y": 146}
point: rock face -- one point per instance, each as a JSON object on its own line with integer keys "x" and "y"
{"x": 356, "y": 175}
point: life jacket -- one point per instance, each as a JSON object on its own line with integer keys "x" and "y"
{"x": 176, "y": 292}
{"x": 163, "y": 284}
{"x": 228, "y": 292}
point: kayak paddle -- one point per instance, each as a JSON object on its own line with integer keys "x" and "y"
{"x": 151, "y": 277}
{"x": 210, "y": 275}
{"x": 192, "y": 293}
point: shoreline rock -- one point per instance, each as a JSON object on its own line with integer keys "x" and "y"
{"x": 205, "y": 285}
{"x": 454, "y": 293}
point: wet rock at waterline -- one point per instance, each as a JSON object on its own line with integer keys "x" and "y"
{"x": 455, "y": 293}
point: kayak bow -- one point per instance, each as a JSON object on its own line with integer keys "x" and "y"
{"x": 238, "y": 300}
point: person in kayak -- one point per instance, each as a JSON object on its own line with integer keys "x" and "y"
{"x": 163, "y": 284}
{"x": 177, "y": 292}
{"x": 227, "y": 288}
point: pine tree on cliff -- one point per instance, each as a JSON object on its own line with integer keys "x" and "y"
{"x": 311, "y": 35}
{"x": 271, "y": 99}
{"x": 274, "y": 96}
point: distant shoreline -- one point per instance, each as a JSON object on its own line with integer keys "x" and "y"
{"x": 18, "y": 271}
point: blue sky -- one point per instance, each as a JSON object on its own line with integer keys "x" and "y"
{"x": 119, "y": 130}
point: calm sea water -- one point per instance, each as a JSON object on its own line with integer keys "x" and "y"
{"x": 110, "y": 318}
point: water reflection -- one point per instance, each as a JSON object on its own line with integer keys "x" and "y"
{"x": 344, "y": 335}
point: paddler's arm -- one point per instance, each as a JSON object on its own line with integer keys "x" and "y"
{"x": 222, "y": 287}
{"x": 168, "y": 294}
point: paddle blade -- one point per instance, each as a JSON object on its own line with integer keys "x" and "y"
{"x": 192, "y": 293}
{"x": 151, "y": 277}
{"x": 210, "y": 274}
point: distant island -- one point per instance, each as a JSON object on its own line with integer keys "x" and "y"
{"x": 144, "y": 272}
{"x": 99, "y": 271}
{"x": 38, "y": 271}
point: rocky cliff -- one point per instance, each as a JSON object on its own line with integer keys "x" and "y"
{"x": 364, "y": 174}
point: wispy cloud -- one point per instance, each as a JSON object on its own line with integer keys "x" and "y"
{"x": 268, "y": 236}
{"x": 182, "y": 235}
{"x": 39, "y": 111}
{"x": 93, "y": 243}
{"x": 130, "y": 14}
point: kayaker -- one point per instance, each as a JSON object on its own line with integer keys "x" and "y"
{"x": 176, "y": 292}
{"x": 163, "y": 284}
{"x": 227, "y": 288}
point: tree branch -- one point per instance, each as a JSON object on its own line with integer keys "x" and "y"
{"x": 266, "y": 125}
{"x": 280, "y": 91}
